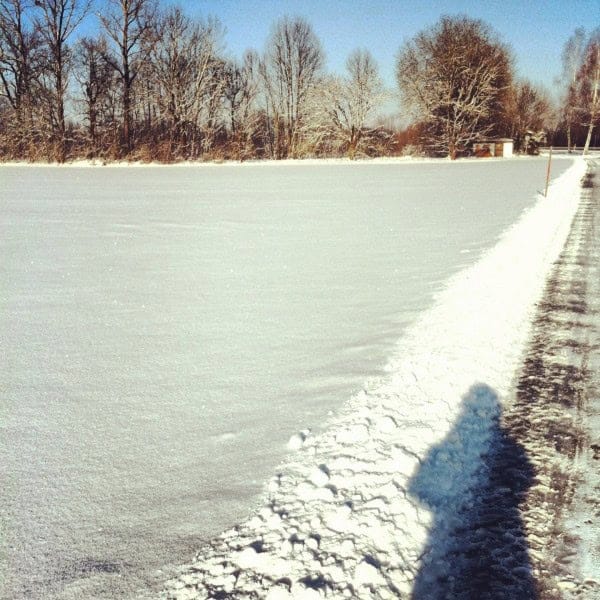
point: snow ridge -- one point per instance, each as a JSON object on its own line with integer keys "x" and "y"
{"x": 351, "y": 513}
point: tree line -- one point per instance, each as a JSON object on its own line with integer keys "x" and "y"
{"x": 156, "y": 84}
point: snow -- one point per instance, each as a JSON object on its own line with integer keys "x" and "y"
{"x": 559, "y": 398}
{"x": 167, "y": 335}
{"x": 441, "y": 400}
{"x": 252, "y": 164}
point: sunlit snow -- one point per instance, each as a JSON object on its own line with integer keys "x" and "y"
{"x": 166, "y": 332}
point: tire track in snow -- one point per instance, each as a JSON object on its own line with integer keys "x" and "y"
{"x": 556, "y": 396}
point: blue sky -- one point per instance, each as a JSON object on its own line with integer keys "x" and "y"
{"x": 535, "y": 29}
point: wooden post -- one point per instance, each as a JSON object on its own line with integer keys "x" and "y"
{"x": 548, "y": 172}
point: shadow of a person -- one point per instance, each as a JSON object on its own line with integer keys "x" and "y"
{"x": 473, "y": 482}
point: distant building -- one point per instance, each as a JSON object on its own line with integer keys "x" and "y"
{"x": 493, "y": 147}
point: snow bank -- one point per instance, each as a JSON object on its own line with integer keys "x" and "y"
{"x": 350, "y": 515}
{"x": 416, "y": 160}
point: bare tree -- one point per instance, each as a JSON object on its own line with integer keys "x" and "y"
{"x": 530, "y": 110}
{"x": 588, "y": 84}
{"x": 290, "y": 70}
{"x": 454, "y": 77}
{"x": 572, "y": 57}
{"x": 19, "y": 67}
{"x": 239, "y": 95}
{"x": 213, "y": 104}
{"x": 187, "y": 68}
{"x": 96, "y": 79}
{"x": 58, "y": 21}
{"x": 351, "y": 101}
{"x": 130, "y": 25}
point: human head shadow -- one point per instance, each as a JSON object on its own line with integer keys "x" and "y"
{"x": 473, "y": 482}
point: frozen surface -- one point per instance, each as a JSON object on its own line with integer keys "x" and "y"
{"x": 164, "y": 331}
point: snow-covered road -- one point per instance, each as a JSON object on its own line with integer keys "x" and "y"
{"x": 371, "y": 507}
{"x": 555, "y": 415}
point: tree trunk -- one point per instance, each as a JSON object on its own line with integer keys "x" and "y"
{"x": 92, "y": 131}
{"x": 595, "y": 100}
{"x": 588, "y": 139}
{"x": 60, "y": 114}
{"x": 452, "y": 151}
{"x": 126, "y": 118}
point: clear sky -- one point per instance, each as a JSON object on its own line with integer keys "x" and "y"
{"x": 535, "y": 29}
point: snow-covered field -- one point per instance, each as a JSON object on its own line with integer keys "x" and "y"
{"x": 368, "y": 507}
{"x": 164, "y": 332}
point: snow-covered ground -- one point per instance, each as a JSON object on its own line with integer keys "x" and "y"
{"x": 165, "y": 331}
{"x": 368, "y": 507}
{"x": 556, "y": 414}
